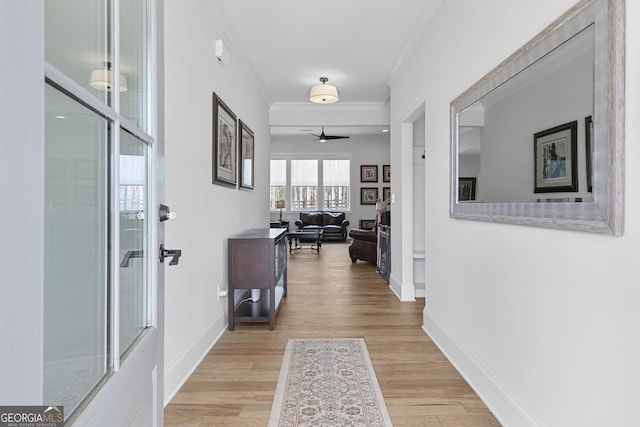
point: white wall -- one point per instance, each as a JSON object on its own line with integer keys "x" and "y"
{"x": 543, "y": 323}
{"x": 207, "y": 214}
{"x": 364, "y": 151}
{"x": 22, "y": 213}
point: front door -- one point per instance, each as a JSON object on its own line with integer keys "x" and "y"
{"x": 103, "y": 327}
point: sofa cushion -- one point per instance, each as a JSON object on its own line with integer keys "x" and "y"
{"x": 312, "y": 218}
{"x": 312, "y": 227}
{"x": 333, "y": 218}
{"x": 332, "y": 229}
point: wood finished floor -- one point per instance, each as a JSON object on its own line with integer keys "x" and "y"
{"x": 329, "y": 297}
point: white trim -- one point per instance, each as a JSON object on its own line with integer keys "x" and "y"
{"x": 71, "y": 88}
{"x": 505, "y": 407}
{"x": 179, "y": 371}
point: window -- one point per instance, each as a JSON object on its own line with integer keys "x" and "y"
{"x": 304, "y": 184}
{"x": 336, "y": 180}
{"x": 311, "y": 184}
{"x": 278, "y": 184}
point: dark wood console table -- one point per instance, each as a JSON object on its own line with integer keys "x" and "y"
{"x": 257, "y": 260}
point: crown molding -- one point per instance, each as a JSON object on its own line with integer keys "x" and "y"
{"x": 231, "y": 36}
{"x": 422, "y": 22}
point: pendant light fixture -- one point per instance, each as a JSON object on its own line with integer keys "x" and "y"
{"x": 323, "y": 93}
{"x": 102, "y": 78}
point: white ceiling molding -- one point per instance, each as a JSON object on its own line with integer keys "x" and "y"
{"x": 233, "y": 43}
{"x": 420, "y": 26}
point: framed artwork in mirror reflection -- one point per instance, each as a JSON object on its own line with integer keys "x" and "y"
{"x": 588, "y": 132}
{"x": 555, "y": 159}
{"x": 466, "y": 189}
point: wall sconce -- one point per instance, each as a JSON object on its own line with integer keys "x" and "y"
{"x": 102, "y": 79}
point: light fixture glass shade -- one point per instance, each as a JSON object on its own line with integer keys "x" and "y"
{"x": 102, "y": 79}
{"x": 323, "y": 94}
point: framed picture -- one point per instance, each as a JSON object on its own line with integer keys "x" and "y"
{"x": 588, "y": 134}
{"x": 386, "y": 193}
{"x": 246, "y": 156}
{"x": 224, "y": 144}
{"x": 368, "y": 195}
{"x": 386, "y": 173}
{"x": 367, "y": 224}
{"x": 466, "y": 189}
{"x": 369, "y": 173}
{"x": 555, "y": 159}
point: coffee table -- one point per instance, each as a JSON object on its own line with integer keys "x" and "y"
{"x": 296, "y": 236}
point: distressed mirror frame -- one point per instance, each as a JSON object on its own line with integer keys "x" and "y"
{"x": 606, "y": 213}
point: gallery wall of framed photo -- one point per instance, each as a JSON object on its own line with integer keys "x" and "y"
{"x": 370, "y": 192}
{"x": 233, "y": 148}
{"x": 369, "y": 179}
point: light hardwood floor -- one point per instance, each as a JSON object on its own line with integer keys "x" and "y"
{"x": 329, "y": 297}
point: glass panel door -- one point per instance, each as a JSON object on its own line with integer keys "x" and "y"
{"x": 76, "y": 322}
{"x": 103, "y": 325}
{"x": 134, "y": 249}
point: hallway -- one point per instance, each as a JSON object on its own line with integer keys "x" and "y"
{"x": 329, "y": 297}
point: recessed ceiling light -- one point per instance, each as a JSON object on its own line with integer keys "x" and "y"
{"x": 60, "y": 117}
{"x": 385, "y": 130}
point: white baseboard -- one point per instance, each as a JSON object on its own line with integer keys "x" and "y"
{"x": 177, "y": 373}
{"x": 504, "y": 406}
{"x": 396, "y": 287}
{"x": 404, "y": 291}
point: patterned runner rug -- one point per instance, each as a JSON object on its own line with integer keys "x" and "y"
{"x": 327, "y": 383}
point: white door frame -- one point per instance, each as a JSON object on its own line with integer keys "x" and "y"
{"x": 21, "y": 254}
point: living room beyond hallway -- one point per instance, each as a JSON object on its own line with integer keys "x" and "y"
{"x": 330, "y": 297}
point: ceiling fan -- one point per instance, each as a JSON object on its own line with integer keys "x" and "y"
{"x": 324, "y": 138}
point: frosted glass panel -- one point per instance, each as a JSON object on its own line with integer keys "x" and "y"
{"x": 76, "y": 253}
{"x": 76, "y": 40}
{"x": 134, "y": 59}
{"x": 133, "y": 239}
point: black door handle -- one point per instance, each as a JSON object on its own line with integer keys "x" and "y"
{"x": 166, "y": 253}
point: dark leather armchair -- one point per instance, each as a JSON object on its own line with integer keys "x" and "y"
{"x": 333, "y": 224}
{"x": 365, "y": 242}
{"x": 364, "y": 246}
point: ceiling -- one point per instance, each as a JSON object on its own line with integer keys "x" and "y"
{"x": 360, "y": 45}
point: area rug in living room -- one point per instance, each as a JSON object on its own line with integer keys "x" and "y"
{"x": 326, "y": 383}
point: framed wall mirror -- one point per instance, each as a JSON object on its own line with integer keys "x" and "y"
{"x": 543, "y": 132}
